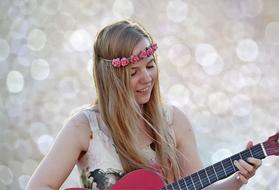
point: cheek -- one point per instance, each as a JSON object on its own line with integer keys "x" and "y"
{"x": 133, "y": 84}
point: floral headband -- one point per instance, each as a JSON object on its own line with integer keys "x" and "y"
{"x": 147, "y": 52}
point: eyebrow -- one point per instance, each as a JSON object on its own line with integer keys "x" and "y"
{"x": 146, "y": 63}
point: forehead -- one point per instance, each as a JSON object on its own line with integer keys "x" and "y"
{"x": 141, "y": 46}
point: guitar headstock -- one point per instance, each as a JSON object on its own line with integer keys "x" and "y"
{"x": 272, "y": 145}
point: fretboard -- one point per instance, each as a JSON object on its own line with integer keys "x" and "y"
{"x": 215, "y": 172}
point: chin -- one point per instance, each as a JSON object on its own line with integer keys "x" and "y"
{"x": 142, "y": 101}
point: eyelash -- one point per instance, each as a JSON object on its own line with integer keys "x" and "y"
{"x": 148, "y": 67}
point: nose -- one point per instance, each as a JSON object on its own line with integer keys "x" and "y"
{"x": 146, "y": 76}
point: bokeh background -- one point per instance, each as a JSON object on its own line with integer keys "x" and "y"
{"x": 219, "y": 63}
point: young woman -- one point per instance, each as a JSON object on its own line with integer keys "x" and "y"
{"x": 129, "y": 126}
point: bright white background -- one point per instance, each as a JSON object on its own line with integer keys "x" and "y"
{"x": 218, "y": 61}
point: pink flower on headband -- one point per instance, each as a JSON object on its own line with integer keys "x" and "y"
{"x": 154, "y": 46}
{"x": 149, "y": 51}
{"x": 124, "y": 61}
{"x": 134, "y": 58}
{"x": 142, "y": 54}
{"x": 116, "y": 62}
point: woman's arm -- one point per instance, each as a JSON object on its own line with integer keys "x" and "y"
{"x": 71, "y": 141}
{"x": 190, "y": 160}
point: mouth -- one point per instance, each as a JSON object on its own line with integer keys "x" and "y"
{"x": 144, "y": 90}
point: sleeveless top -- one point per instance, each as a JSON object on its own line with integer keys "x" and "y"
{"x": 100, "y": 167}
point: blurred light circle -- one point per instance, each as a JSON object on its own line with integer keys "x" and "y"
{"x": 90, "y": 8}
{"x": 4, "y": 7}
{"x": 242, "y": 121}
{"x": 206, "y": 54}
{"x": 123, "y": 8}
{"x": 4, "y": 50}
{"x": 274, "y": 54}
{"x": 22, "y": 61}
{"x": 80, "y": 40}
{"x": 232, "y": 9}
{"x": 251, "y": 8}
{"x": 39, "y": 69}
{"x": 69, "y": 87}
{"x": 178, "y": 94}
{"x": 177, "y": 10}
{"x": 3, "y": 186}
{"x": 17, "y": 12}
{"x": 179, "y": 54}
{"x": 37, "y": 129}
{"x": 232, "y": 81}
{"x": 66, "y": 21}
{"x": 272, "y": 33}
{"x": 15, "y": 82}
{"x": 6, "y": 175}
{"x": 44, "y": 143}
{"x": 20, "y": 29}
{"x": 22, "y": 149}
{"x": 51, "y": 6}
{"x": 220, "y": 154}
{"x": 36, "y": 40}
{"x": 15, "y": 167}
{"x": 28, "y": 166}
{"x": 251, "y": 74}
{"x": 214, "y": 69}
{"x": 5, "y": 147}
{"x": 218, "y": 103}
{"x": 23, "y": 180}
{"x": 241, "y": 105}
{"x": 273, "y": 181}
{"x": 247, "y": 50}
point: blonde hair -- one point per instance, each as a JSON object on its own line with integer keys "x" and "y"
{"x": 117, "y": 104}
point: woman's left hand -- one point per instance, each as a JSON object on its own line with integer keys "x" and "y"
{"x": 247, "y": 169}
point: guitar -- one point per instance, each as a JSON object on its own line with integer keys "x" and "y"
{"x": 143, "y": 179}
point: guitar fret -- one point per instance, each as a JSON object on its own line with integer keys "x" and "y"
{"x": 197, "y": 181}
{"x": 240, "y": 156}
{"x": 193, "y": 182}
{"x": 200, "y": 179}
{"x": 234, "y": 167}
{"x": 185, "y": 184}
{"x": 224, "y": 168}
{"x": 228, "y": 166}
{"x": 204, "y": 178}
{"x": 215, "y": 173}
{"x": 219, "y": 170}
{"x": 212, "y": 174}
{"x": 179, "y": 186}
{"x": 258, "y": 151}
{"x": 189, "y": 183}
{"x": 251, "y": 152}
{"x": 207, "y": 176}
{"x": 245, "y": 154}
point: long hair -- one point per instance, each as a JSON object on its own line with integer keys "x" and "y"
{"x": 117, "y": 104}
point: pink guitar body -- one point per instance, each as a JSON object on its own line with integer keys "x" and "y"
{"x": 141, "y": 179}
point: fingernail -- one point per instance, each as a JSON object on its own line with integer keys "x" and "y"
{"x": 237, "y": 177}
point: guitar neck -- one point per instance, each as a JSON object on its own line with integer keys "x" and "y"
{"x": 215, "y": 172}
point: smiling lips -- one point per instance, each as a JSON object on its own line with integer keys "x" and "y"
{"x": 144, "y": 90}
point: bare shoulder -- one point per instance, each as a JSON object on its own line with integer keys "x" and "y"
{"x": 186, "y": 142}
{"x": 180, "y": 122}
{"x": 71, "y": 141}
{"x": 78, "y": 126}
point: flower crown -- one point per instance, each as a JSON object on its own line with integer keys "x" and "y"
{"x": 147, "y": 52}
